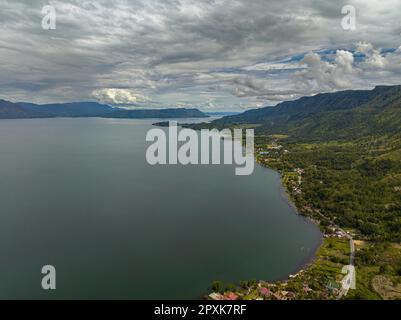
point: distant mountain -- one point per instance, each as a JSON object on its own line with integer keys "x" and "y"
{"x": 156, "y": 113}
{"x": 345, "y": 114}
{"x": 9, "y": 110}
{"x": 222, "y": 114}
{"x": 77, "y": 109}
{"x": 22, "y": 110}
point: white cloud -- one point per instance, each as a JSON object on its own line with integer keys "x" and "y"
{"x": 376, "y": 61}
{"x": 345, "y": 60}
{"x": 364, "y": 47}
{"x": 272, "y": 66}
{"x": 322, "y": 71}
{"x": 115, "y": 96}
{"x": 320, "y": 75}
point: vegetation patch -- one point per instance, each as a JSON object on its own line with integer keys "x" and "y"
{"x": 385, "y": 287}
{"x": 320, "y": 280}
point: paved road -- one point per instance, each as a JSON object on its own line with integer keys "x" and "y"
{"x": 350, "y": 278}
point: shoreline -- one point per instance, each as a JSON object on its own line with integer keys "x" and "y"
{"x": 292, "y": 285}
{"x": 311, "y": 259}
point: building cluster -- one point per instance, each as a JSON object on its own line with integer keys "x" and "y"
{"x": 336, "y": 233}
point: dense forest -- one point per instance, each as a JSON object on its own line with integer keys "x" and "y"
{"x": 348, "y": 145}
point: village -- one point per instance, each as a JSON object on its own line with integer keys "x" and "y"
{"x": 323, "y": 278}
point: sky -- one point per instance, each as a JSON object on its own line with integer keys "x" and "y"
{"x": 215, "y": 55}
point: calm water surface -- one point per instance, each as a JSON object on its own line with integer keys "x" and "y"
{"x": 79, "y": 195}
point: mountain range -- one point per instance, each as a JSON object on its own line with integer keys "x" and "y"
{"x": 344, "y": 150}
{"x": 339, "y": 115}
{"x": 22, "y": 110}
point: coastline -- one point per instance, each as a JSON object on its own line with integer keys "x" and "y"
{"x": 312, "y": 257}
{"x": 310, "y": 277}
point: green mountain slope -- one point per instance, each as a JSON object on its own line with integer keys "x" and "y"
{"x": 347, "y": 146}
{"x": 339, "y": 156}
{"x": 341, "y": 115}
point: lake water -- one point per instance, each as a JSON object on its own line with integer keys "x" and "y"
{"x": 79, "y": 195}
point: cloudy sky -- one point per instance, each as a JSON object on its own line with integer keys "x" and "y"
{"x": 215, "y": 55}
